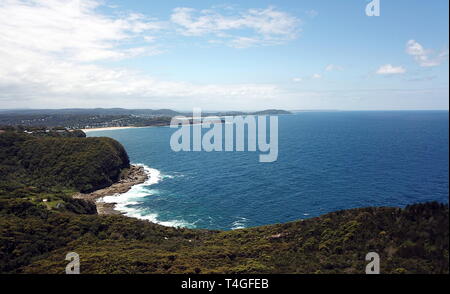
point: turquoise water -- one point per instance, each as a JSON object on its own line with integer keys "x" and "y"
{"x": 327, "y": 161}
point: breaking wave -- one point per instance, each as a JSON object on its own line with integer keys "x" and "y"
{"x": 128, "y": 203}
{"x": 241, "y": 223}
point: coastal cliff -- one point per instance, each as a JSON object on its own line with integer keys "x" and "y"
{"x": 132, "y": 176}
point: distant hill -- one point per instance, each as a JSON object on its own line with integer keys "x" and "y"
{"x": 271, "y": 112}
{"x": 78, "y": 118}
{"x": 93, "y": 111}
{"x": 237, "y": 113}
{"x": 124, "y": 111}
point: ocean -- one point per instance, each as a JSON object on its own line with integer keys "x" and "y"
{"x": 327, "y": 161}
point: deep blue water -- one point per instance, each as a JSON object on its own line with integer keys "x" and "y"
{"x": 327, "y": 161}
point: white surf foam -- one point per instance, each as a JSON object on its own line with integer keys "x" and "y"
{"x": 239, "y": 224}
{"x": 125, "y": 202}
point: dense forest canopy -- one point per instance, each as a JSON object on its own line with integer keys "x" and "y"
{"x": 83, "y": 164}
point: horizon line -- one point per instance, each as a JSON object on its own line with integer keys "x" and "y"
{"x": 226, "y": 110}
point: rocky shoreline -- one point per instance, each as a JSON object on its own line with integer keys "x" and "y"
{"x": 133, "y": 176}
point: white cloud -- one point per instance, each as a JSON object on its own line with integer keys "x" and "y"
{"x": 48, "y": 49}
{"x": 244, "y": 42}
{"x": 71, "y": 29}
{"x": 312, "y": 13}
{"x": 333, "y": 67}
{"x": 315, "y": 76}
{"x": 389, "y": 69}
{"x": 425, "y": 57}
{"x": 66, "y": 84}
{"x": 261, "y": 26}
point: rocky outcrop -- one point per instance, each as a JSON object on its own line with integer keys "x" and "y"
{"x": 133, "y": 176}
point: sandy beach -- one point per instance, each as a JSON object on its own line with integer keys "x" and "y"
{"x": 107, "y": 129}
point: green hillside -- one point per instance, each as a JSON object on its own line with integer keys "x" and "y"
{"x": 43, "y": 163}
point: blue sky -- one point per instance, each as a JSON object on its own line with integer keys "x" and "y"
{"x": 224, "y": 55}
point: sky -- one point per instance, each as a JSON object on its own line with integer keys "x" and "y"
{"x": 224, "y": 55}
